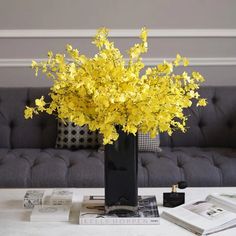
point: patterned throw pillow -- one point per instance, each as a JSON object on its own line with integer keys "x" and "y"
{"x": 148, "y": 144}
{"x": 145, "y": 143}
{"x": 75, "y": 137}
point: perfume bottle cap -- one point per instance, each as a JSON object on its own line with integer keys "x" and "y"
{"x": 182, "y": 184}
{"x": 174, "y": 198}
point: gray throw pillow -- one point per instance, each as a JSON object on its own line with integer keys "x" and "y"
{"x": 71, "y": 136}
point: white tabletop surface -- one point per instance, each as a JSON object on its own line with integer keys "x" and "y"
{"x": 14, "y": 220}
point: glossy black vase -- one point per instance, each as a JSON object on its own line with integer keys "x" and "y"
{"x": 121, "y": 188}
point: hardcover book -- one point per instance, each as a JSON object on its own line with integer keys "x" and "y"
{"x": 206, "y": 216}
{"x": 93, "y": 212}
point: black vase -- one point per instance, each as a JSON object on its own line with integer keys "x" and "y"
{"x": 121, "y": 188}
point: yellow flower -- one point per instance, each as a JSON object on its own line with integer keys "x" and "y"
{"x": 34, "y": 66}
{"x": 166, "y": 67}
{"x": 50, "y": 54}
{"x": 40, "y": 103}
{"x": 104, "y": 91}
{"x": 177, "y": 60}
{"x": 68, "y": 48}
{"x": 202, "y": 102}
{"x": 143, "y": 35}
{"x": 197, "y": 76}
{"x": 28, "y": 112}
{"x": 185, "y": 61}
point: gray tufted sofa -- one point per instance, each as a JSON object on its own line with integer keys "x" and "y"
{"x": 204, "y": 156}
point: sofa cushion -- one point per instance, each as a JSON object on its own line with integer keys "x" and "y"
{"x": 198, "y": 166}
{"x": 85, "y": 168}
{"x": 50, "y": 168}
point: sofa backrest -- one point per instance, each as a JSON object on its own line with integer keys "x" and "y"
{"x": 15, "y": 131}
{"x": 211, "y": 126}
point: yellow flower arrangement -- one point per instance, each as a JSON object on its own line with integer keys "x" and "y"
{"x": 105, "y": 91}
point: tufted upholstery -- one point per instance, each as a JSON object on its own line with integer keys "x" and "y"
{"x": 204, "y": 156}
{"x": 16, "y": 132}
{"x": 211, "y": 126}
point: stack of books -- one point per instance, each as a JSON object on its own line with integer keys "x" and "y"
{"x": 93, "y": 212}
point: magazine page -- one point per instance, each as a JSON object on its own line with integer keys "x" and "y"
{"x": 201, "y": 216}
{"x": 226, "y": 200}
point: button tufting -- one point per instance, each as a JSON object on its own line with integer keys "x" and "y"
{"x": 71, "y": 164}
{"x": 201, "y": 124}
{"x": 180, "y": 165}
{"x": 33, "y": 165}
{"x": 42, "y": 125}
{"x": 214, "y": 100}
{"x": 36, "y": 162}
{"x": 27, "y": 102}
{"x": 11, "y": 124}
{"x": 143, "y": 164}
{"x": 217, "y": 165}
{"x": 229, "y": 124}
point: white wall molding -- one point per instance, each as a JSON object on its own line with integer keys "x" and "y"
{"x": 118, "y": 33}
{"x": 196, "y": 61}
{"x": 215, "y": 61}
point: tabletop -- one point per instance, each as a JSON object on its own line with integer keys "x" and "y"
{"x": 14, "y": 219}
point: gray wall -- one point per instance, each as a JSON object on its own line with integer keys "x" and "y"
{"x": 83, "y": 14}
{"x": 31, "y": 15}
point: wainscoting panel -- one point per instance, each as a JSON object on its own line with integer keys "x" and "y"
{"x": 24, "y": 76}
{"x": 211, "y": 51}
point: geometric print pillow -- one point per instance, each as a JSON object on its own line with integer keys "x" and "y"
{"x": 71, "y": 136}
{"x": 145, "y": 143}
{"x": 148, "y": 144}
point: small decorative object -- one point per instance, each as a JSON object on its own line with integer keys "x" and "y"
{"x": 32, "y": 198}
{"x": 107, "y": 91}
{"x": 50, "y": 213}
{"x": 175, "y": 198}
{"x": 61, "y": 197}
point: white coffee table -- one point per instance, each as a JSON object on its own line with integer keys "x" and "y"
{"x": 14, "y": 220}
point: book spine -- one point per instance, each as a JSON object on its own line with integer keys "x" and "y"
{"x": 119, "y": 221}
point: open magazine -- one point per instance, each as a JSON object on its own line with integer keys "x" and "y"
{"x": 217, "y": 212}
